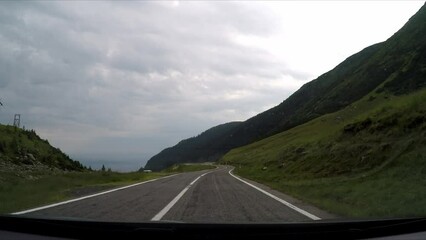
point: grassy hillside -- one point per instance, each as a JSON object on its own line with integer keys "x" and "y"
{"x": 25, "y": 149}
{"x": 368, "y": 159}
{"x": 399, "y": 62}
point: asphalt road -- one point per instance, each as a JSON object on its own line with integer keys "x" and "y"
{"x": 205, "y": 196}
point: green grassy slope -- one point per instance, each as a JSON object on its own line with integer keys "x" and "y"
{"x": 25, "y": 149}
{"x": 368, "y": 159}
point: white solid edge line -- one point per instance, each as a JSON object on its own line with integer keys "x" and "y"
{"x": 164, "y": 211}
{"x": 88, "y": 196}
{"x": 299, "y": 210}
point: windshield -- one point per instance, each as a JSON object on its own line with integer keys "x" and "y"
{"x": 213, "y": 111}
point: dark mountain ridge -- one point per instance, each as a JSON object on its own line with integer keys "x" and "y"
{"x": 195, "y": 149}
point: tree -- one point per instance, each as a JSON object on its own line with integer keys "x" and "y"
{"x": 103, "y": 168}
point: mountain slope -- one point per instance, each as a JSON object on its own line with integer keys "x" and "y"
{"x": 399, "y": 58}
{"x": 195, "y": 149}
{"x": 365, "y": 160}
{"x": 358, "y": 138}
{"x": 24, "y": 149}
{"x": 349, "y": 81}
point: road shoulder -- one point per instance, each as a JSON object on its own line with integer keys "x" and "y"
{"x": 294, "y": 201}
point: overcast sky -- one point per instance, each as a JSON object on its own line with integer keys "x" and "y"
{"x": 116, "y": 82}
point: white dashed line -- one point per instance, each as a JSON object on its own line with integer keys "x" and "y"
{"x": 175, "y": 200}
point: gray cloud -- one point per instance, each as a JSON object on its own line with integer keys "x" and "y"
{"x": 119, "y": 81}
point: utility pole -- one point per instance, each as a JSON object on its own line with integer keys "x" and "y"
{"x": 17, "y": 120}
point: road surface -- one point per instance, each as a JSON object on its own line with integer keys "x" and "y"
{"x": 205, "y": 196}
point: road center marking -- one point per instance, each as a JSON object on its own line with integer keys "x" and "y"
{"x": 299, "y": 210}
{"x": 89, "y": 196}
{"x": 167, "y": 208}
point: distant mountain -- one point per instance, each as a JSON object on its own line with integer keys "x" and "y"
{"x": 396, "y": 66}
{"x": 195, "y": 149}
{"x": 24, "y": 149}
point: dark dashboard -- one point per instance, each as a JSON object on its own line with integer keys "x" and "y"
{"x": 13, "y": 227}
